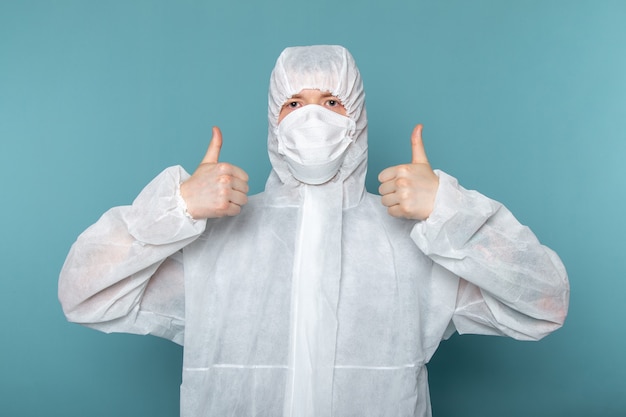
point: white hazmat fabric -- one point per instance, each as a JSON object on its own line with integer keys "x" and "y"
{"x": 313, "y": 301}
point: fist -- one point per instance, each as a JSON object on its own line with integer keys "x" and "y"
{"x": 216, "y": 189}
{"x": 409, "y": 190}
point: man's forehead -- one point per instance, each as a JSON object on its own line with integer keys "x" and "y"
{"x": 311, "y": 91}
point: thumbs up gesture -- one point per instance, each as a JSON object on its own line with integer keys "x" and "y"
{"x": 409, "y": 190}
{"x": 215, "y": 189}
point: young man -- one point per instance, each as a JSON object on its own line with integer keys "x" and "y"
{"x": 313, "y": 298}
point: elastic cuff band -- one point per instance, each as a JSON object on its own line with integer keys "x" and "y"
{"x": 180, "y": 202}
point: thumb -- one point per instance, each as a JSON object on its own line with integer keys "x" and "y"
{"x": 417, "y": 146}
{"x": 213, "y": 153}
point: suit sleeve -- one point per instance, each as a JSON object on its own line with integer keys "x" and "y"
{"x": 511, "y": 284}
{"x": 125, "y": 272}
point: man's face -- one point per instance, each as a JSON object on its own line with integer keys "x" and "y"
{"x": 307, "y": 96}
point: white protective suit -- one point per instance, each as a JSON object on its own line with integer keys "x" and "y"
{"x": 313, "y": 301}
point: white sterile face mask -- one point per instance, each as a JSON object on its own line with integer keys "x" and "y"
{"x": 314, "y": 141}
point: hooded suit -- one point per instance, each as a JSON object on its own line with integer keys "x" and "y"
{"x": 313, "y": 301}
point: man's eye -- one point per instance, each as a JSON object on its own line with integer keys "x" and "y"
{"x": 332, "y": 103}
{"x": 293, "y": 104}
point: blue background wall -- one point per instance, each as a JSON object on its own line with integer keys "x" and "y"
{"x": 524, "y": 101}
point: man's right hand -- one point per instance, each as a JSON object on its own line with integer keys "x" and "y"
{"x": 216, "y": 189}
